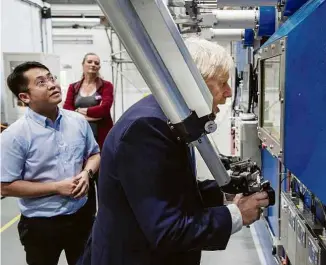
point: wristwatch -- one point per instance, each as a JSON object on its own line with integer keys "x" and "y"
{"x": 90, "y": 173}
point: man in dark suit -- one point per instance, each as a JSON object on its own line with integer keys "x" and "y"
{"x": 152, "y": 210}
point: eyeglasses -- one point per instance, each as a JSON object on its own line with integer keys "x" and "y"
{"x": 42, "y": 82}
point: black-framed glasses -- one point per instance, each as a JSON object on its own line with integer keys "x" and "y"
{"x": 42, "y": 82}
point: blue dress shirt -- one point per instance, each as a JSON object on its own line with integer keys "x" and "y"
{"x": 36, "y": 149}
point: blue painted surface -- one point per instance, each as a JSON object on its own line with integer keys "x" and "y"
{"x": 307, "y": 198}
{"x": 291, "y": 6}
{"x": 305, "y": 101}
{"x": 267, "y": 17}
{"x": 270, "y": 172}
{"x": 249, "y": 37}
{"x": 295, "y": 20}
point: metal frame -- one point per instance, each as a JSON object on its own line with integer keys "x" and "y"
{"x": 304, "y": 230}
{"x": 278, "y": 48}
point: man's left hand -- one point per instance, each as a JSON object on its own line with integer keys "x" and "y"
{"x": 83, "y": 185}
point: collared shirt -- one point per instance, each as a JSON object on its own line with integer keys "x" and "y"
{"x": 36, "y": 149}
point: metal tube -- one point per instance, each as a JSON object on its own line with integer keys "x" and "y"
{"x": 121, "y": 79}
{"x": 247, "y": 2}
{"x": 227, "y": 34}
{"x": 157, "y": 49}
{"x": 207, "y": 6}
{"x": 129, "y": 28}
{"x": 69, "y": 22}
{"x": 112, "y": 72}
{"x": 48, "y": 28}
{"x": 236, "y": 19}
{"x": 170, "y": 46}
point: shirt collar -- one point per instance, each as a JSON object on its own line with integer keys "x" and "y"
{"x": 42, "y": 120}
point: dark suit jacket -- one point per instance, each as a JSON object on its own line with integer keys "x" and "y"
{"x": 152, "y": 211}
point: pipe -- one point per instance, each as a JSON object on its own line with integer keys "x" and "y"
{"x": 38, "y": 4}
{"x": 47, "y": 41}
{"x": 131, "y": 31}
{"x": 121, "y": 79}
{"x": 227, "y": 34}
{"x": 236, "y": 19}
{"x": 247, "y": 2}
{"x": 175, "y": 55}
{"x": 207, "y": 6}
{"x": 70, "y": 22}
{"x": 152, "y": 40}
{"x": 71, "y": 10}
{"x": 46, "y": 26}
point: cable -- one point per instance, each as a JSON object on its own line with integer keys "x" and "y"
{"x": 32, "y": 3}
{"x": 237, "y": 83}
{"x": 283, "y": 178}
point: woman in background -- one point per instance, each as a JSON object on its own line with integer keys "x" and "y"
{"x": 92, "y": 97}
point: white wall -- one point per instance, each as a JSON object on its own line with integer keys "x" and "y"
{"x": 20, "y": 27}
{"x": 20, "y": 32}
{"x": 72, "y": 44}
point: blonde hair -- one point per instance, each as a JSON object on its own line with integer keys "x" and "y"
{"x": 212, "y": 60}
{"x": 84, "y": 59}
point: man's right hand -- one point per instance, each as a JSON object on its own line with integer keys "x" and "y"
{"x": 250, "y": 206}
{"x": 65, "y": 187}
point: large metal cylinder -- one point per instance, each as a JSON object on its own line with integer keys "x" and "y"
{"x": 129, "y": 28}
{"x": 227, "y": 34}
{"x": 152, "y": 40}
{"x": 247, "y": 2}
{"x": 236, "y": 19}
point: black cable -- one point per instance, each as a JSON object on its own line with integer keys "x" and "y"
{"x": 251, "y": 88}
{"x": 179, "y": 29}
{"x": 237, "y": 83}
{"x": 283, "y": 179}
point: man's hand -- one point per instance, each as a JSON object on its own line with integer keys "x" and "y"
{"x": 65, "y": 187}
{"x": 250, "y": 206}
{"x": 83, "y": 185}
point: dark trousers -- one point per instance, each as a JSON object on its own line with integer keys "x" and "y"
{"x": 45, "y": 238}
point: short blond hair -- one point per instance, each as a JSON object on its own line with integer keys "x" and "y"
{"x": 212, "y": 60}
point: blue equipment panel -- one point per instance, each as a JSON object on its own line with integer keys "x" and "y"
{"x": 270, "y": 171}
{"x": 305, "y": 95}
{"x": 295, "y": 20}
{"x": 267, "y": 20}
{"x": 249, "y": 38}
{"x": 291, "y": 6}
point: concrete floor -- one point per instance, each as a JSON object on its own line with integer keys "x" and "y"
{"x": 241, "y": 248}
{"x": 12, "y": 252}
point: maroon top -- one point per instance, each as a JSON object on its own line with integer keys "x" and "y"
{"x": 105, "y": 89}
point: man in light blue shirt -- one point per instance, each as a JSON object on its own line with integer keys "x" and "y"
{"x": 48, "y": 158}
